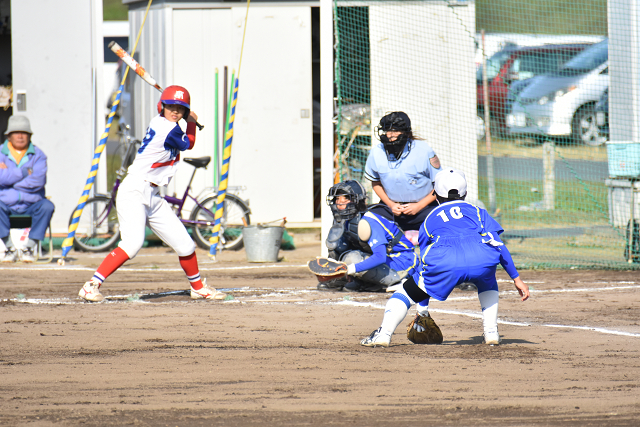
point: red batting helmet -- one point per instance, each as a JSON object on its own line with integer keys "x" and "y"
{"x": 176, "y": 95}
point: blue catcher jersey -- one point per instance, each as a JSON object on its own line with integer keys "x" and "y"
{"x": 459, "y": 243}
{"x": 403, "y": 256}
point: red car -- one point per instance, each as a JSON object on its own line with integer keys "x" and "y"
{"x": 516, "y": 63}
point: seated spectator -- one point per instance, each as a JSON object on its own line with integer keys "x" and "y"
{"x": 23, "y": 174}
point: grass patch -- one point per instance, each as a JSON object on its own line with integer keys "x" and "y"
{"x": 528, "y": 148}
{"x": 598, "y": 245}
{"x": 114, "y": 10}
{"x": 576, "y": 204}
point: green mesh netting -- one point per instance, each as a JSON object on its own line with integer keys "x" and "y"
{"x": 538, "y": 152}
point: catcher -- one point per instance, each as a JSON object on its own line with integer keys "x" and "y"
{"x": 459, "y": 242}
{"x": 368, "y": 253}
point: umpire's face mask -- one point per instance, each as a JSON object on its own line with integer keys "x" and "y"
{"x": 394, "y": 142}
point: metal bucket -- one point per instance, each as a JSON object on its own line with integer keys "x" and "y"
{"x": 262, "y": 243}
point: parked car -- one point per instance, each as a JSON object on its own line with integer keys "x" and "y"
{"x": 602, "y": 114}
{"x": 516, "y": 64}
{"x": 562, "y": 103}
{"x": 514, "y": 91}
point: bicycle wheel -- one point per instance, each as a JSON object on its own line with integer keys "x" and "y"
{"x": 98, "y": 229}
{"x": 230, "y": 225}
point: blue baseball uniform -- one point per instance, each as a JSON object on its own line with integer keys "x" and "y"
{"x": 402, "y": 256}
{"x": 459, "y": 242}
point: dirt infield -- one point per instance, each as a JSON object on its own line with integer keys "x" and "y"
{"x": 282, "y": 353}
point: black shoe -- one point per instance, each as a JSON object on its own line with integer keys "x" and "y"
{"x": 332, "y": 285}
{"x": 352, "y": 286}
{"x": 324, "y": 287}
{"x": 369, "y": 287}
{"x": 358, "y": 286}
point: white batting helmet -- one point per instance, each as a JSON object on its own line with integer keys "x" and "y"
{"x": 449, "y": 180}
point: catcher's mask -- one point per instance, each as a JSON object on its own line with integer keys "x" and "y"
{"x": 354, "y": 192}
{"x": 399, "y": 122}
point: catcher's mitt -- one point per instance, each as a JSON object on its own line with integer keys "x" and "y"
{"x": 327, "y": 269}
{"x": 423, "y": 330}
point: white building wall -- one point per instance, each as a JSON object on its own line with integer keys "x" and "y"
{"x": 57, "y": 63}
{"x": 425, "y": 68}
{"x": 272, "y": 155}
{"x": 152, "y": 53}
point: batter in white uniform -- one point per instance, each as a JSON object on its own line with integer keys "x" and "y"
{"x": 139, "y": 203}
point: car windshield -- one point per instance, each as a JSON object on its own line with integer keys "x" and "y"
{"x": 494, "y": 64}
{"x": 531, "y": 64}
{"x": 587, "y": 60}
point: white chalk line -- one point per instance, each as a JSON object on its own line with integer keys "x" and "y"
{"x": 589, "y": 328}
{"x": 151, "y": 268}
{"x": 120, "y": 298}
{"x": 501, "y": 322}
{"x": 132, "y": 298}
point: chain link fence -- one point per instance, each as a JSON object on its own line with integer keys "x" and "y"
{"x": 513, "y": 93}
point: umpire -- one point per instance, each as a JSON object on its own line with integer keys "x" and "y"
{"x": 402, "y": 170}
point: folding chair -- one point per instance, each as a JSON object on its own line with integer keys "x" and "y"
{"x": 24, "y": 221}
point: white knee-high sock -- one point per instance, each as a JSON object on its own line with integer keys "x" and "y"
{"x": 489, "y": 303}
{"x": 394, "y": 312}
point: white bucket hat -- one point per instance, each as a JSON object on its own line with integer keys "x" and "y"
{"x": 18, "y": 124}
{"x": 450, "y": 179}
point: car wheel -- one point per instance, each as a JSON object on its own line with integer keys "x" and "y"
{"x": 480, "y": 127}
{"x": 584, "y": 129}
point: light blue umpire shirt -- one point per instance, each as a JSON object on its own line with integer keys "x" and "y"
{"x": 409, "y": 179}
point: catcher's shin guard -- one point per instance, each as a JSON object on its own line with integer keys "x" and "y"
{"x": 383, "y": 275}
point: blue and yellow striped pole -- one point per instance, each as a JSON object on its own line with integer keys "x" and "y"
{"x": 224, "y": 178}
{"x": 226, "y": 154}
{"x": 68, "y": 242}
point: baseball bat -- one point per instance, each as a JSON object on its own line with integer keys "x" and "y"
{"x": 127, "y": 59}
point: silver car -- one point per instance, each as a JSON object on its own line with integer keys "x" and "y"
{"x": 562, "y": 104}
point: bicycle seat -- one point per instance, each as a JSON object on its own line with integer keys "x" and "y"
{"x": 199, "y": 162}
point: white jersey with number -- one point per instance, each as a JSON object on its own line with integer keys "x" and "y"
{"x": 158, "y": 156}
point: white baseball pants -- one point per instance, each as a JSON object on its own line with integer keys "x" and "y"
{"x": 138, "y": 204}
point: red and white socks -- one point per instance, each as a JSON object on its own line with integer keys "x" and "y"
{"x": 189, "y": 264}
{"x": 111, "y": 263}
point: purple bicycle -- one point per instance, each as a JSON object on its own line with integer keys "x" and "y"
{"x": 98, "y": 229}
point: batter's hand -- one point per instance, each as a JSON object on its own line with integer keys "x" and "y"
{"x": 522, "y": 288}
{"x": 3, "y": 166}
{"x": 193, "y": 117}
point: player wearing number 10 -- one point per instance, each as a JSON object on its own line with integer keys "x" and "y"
{"x": 459, "y": 242}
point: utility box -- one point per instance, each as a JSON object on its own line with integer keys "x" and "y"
{"x": 624, "y": 159}
{"x": 619, "y": 196}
